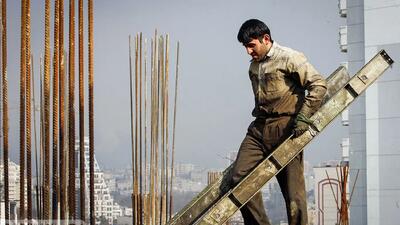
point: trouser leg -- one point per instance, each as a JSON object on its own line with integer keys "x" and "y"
{"x": 291, "y": 181}
{"x": 291, "y": 178}
{"x": 249, "y": 155}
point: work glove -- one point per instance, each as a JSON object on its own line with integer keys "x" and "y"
{"x": 301, "y": 125}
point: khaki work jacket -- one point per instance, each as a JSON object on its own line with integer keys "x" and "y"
{"x": 280, "y": 82}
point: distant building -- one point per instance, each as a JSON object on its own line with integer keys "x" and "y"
{"x": 327, "y": 193}
{"x": 103, "y": 201}
{"x": 13, "y": 180}
{"x": 183, "y": 169}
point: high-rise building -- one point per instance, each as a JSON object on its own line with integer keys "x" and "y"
{"x": 103, "y": 201}
{"x": 374, "y": 118}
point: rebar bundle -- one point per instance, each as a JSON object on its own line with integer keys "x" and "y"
{"x": 151, "y": 205}
{"x": 63, "y": 200}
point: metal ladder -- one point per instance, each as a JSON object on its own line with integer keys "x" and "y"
{"x": 218, "y": 202}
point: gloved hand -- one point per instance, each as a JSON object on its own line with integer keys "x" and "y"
{"x": 301, "y": 125}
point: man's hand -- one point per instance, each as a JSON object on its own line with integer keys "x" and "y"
{"x": 301, "y": 125}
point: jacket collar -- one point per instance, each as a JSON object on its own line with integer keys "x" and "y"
{"x": 270, "y": 53}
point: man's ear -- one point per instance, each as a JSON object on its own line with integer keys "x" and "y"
{"x": 266, "y": 38}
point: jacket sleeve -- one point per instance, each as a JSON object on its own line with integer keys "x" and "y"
{"x": 310, "y": 80}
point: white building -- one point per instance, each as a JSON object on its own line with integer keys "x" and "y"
{"x": 103, "y": 202}
{"x": 14, "y": 190}
{"x": 375, "y": 117}
{"x": 13, "y": 180}
{"x": 327, "y": 192}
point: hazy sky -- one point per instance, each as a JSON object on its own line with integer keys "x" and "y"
{"x": 215, "y": 97}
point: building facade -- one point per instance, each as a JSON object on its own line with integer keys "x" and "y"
{"x": 374, "y": 138}
{"x": 103, "y": 201}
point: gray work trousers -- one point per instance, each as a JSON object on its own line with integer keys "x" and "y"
{"x": 262, "y": 137}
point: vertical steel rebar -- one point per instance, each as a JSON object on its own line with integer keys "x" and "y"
{"x": 46, "y": 144}
{"x": 22, "y": 111}
{"x": 162, "y": 115}
{"x": 61, "y": 106}
{"x": 42, "y": 119}
{"x": 41, "y": 139}
{"x": 91, "y": 111}
{"x": 152, "y": 97}
{"x": 132, "y": 128}
{"x": 5, "y": 106}
{"x": 81, "y": 117}
{"x": 71, "y": 112}
{"x": 146, "y": 209}
{"x": 166, "y": 126}
{"x": 28, "y": 115}
{"x": 173, "y": 131}
{"x": 140, "y": 133}
{"x": 56, "y": 79}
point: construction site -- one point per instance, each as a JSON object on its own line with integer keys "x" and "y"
{"x": 133, "y": 112}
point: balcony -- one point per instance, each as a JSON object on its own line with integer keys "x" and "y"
{"x": 343, "y": 38}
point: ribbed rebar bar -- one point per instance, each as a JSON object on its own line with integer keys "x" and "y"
{"x": 152, "y": 96}
{"x": 22, "y": 112}
{"x": 140, "y": 133}
{"x": 46, "y": 144}
{"x": 41, "y": 140}
{"x": 5, "y": 107}
{"x": 166, "y": 87}
{"x": 132, "y": 128}
{"x": 28, "y": 111}
{"x": 56, "y": 78}
{"x": 136, "y": 184}
{"x": 162, "y": 115}
{"x": 146, "y": 202}
{"x": 171, "y": 201}
{"x": 82, "y": 179}
{"x": 71, "y": 112}
{"x": 62, "y": 133}
{"x": 91, "y": 111}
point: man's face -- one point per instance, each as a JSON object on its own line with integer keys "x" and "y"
{"x": 258, "y": 48}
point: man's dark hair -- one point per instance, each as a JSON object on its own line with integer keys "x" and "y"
{"x": 252, "y": 29}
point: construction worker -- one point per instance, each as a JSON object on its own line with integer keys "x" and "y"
{"x": 287, "y": 91}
